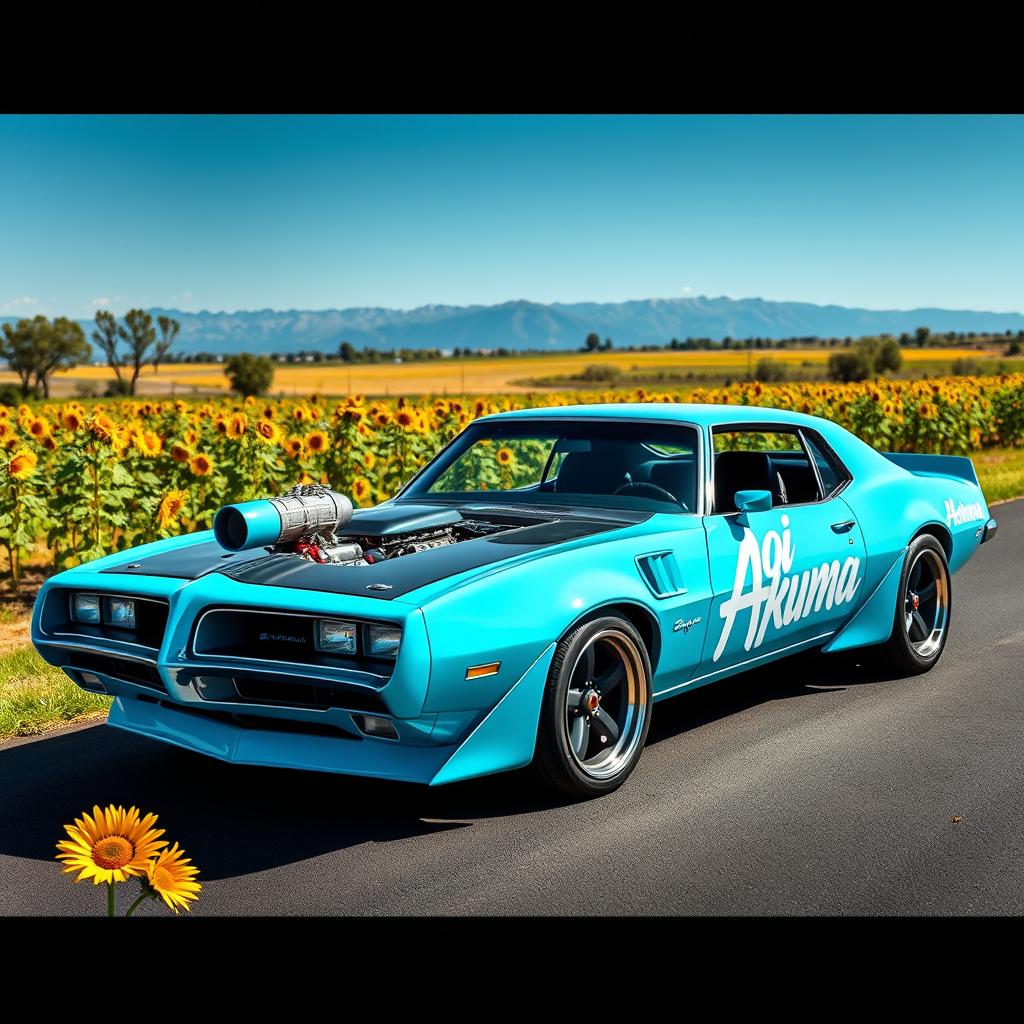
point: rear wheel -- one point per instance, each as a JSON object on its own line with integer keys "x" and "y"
{"x": 596, "y": 709}
{"x": 923, "y": 607}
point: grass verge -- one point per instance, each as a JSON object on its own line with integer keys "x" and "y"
{"x": 35, "y": 696}
{"x": 1000, "y": 473}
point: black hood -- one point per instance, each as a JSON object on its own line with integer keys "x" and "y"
{"x": 392, "y": 577}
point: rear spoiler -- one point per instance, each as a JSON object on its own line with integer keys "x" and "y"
{"x": 957, "y": 466}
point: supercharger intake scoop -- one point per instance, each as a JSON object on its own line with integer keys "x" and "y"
{"x": 304, "y": 511}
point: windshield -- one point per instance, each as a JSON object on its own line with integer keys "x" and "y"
{"x": 609, "y": 464}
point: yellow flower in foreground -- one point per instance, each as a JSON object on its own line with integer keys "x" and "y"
{"x": 505, "y": 456}
{"x": 170, "y": 508}
{"x": 200, "y": 464}
{"x": 171, "y": 875}
{"x": 369, "y": 459}
{"x": 110, "y": 846}
{"x": 23, "y": 464}
{"x": 293, "y": 446}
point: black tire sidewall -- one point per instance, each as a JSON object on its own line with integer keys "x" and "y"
{"x": 553, "y": 759}
{"x": 899, "y": 643}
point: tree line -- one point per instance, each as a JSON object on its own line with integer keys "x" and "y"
{"x": 36, "y": 348}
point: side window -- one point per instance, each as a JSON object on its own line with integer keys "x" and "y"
{"x": 831, "y": 473}
{"x": 768, "y": 460}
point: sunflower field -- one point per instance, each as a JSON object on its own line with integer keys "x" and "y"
{"x": 88, "y": 480}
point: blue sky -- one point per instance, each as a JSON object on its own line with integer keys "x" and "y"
{"x": 290, "y": 212}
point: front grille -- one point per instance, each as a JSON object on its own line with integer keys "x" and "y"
{"x": 265, "y": 724}
{"x": 259, "y": 635}
{"x": 119, "y": 668}
{"x": 286, "y": 692}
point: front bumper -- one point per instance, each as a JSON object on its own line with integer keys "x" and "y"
{"x": 157, "y": 694}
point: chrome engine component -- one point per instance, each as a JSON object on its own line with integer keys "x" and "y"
{"x": 306, "y": 509}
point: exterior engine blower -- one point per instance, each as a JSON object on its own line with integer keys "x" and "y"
{"x": 306, "y": 511}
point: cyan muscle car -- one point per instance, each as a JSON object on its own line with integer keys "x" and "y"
{"x": 526, "y": 598}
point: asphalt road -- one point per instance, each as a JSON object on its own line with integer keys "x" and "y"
{"x": 815, "y": 787}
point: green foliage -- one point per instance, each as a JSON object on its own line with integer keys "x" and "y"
{"x": 869, "y": 357}
{"x": 770, "y": 371}
{"x": 597, "y": 374}
{"x": 249, "y": 374}
{"x": 848, "y": 366}
{"x": 35, "y": 348}
{"x": 965, "y": 367}
{"x": 138, "y": 335}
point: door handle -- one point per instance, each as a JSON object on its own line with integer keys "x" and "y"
{"x": 844, "y": 527}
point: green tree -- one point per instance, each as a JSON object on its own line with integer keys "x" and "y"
{"x": 888, "y": 356}
{"x": 138, "y": 335}
{"x": 17, "y": 350}
{"x": 593, "y": 342}
{"x": 169, "y": 329}
{"x": 922, "y": 335}
{"x": 35, "y": 348}
{"x": 249, "y": 374}
{"x": 848, "y": 366}
{"x": 770, "y": 371}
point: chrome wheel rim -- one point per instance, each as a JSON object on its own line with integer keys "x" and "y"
{"x": 926, "y": 604}
{"x": 606, "y": 704}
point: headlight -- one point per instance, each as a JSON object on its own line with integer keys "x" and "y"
{"x": 383, "y": 641}
{"x": 334, "y": 637}
{"x": 121, "y": 613}
{"x": 86, "y": 608}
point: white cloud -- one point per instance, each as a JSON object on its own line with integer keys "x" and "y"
{"x": 99, "y": 302}
{"x": 687, "y": 289}
{"x": 22, "y": 300}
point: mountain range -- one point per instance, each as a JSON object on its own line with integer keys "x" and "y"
{"x": 531, "y": 325}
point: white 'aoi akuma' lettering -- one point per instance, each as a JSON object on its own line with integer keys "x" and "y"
{"x": 957, "y": 515}
{"x": 775, "y": 598}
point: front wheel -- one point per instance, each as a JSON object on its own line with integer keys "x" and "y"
{"x": 923, "y": 608}
{"x": 596, "y": 709}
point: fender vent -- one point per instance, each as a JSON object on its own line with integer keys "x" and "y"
{"x": 660, "y": 571}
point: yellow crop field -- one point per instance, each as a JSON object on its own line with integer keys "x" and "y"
{"x": 479, "y": 376}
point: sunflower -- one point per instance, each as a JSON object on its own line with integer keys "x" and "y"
{"x": 101, "y": 426}
{"x": 149, "y": 443}
{"x": 237, "y": 425}
{"x": 369, "y": 459}
{"x": 39, "y": 427}
{"x": 300, "y": 414}
{"x": 179, "y": 452}
{"x": 191, "y": 438}
{"x": 171, "y": 507}
{"x": 382, "y": 418}
{"x": 71, "y": 418}
{"x": 200, "y": 464}
{"x": 360, "y": 488}
{"x": 23, "y": 464}
{"x": 403, "y": 418}
{"x": 505, "y": 456}
{"x": 267, "y": 432}
{"x": 316, "y": 442}
{"x": 49, "y": 443}
{"x": 110, "y": 846}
